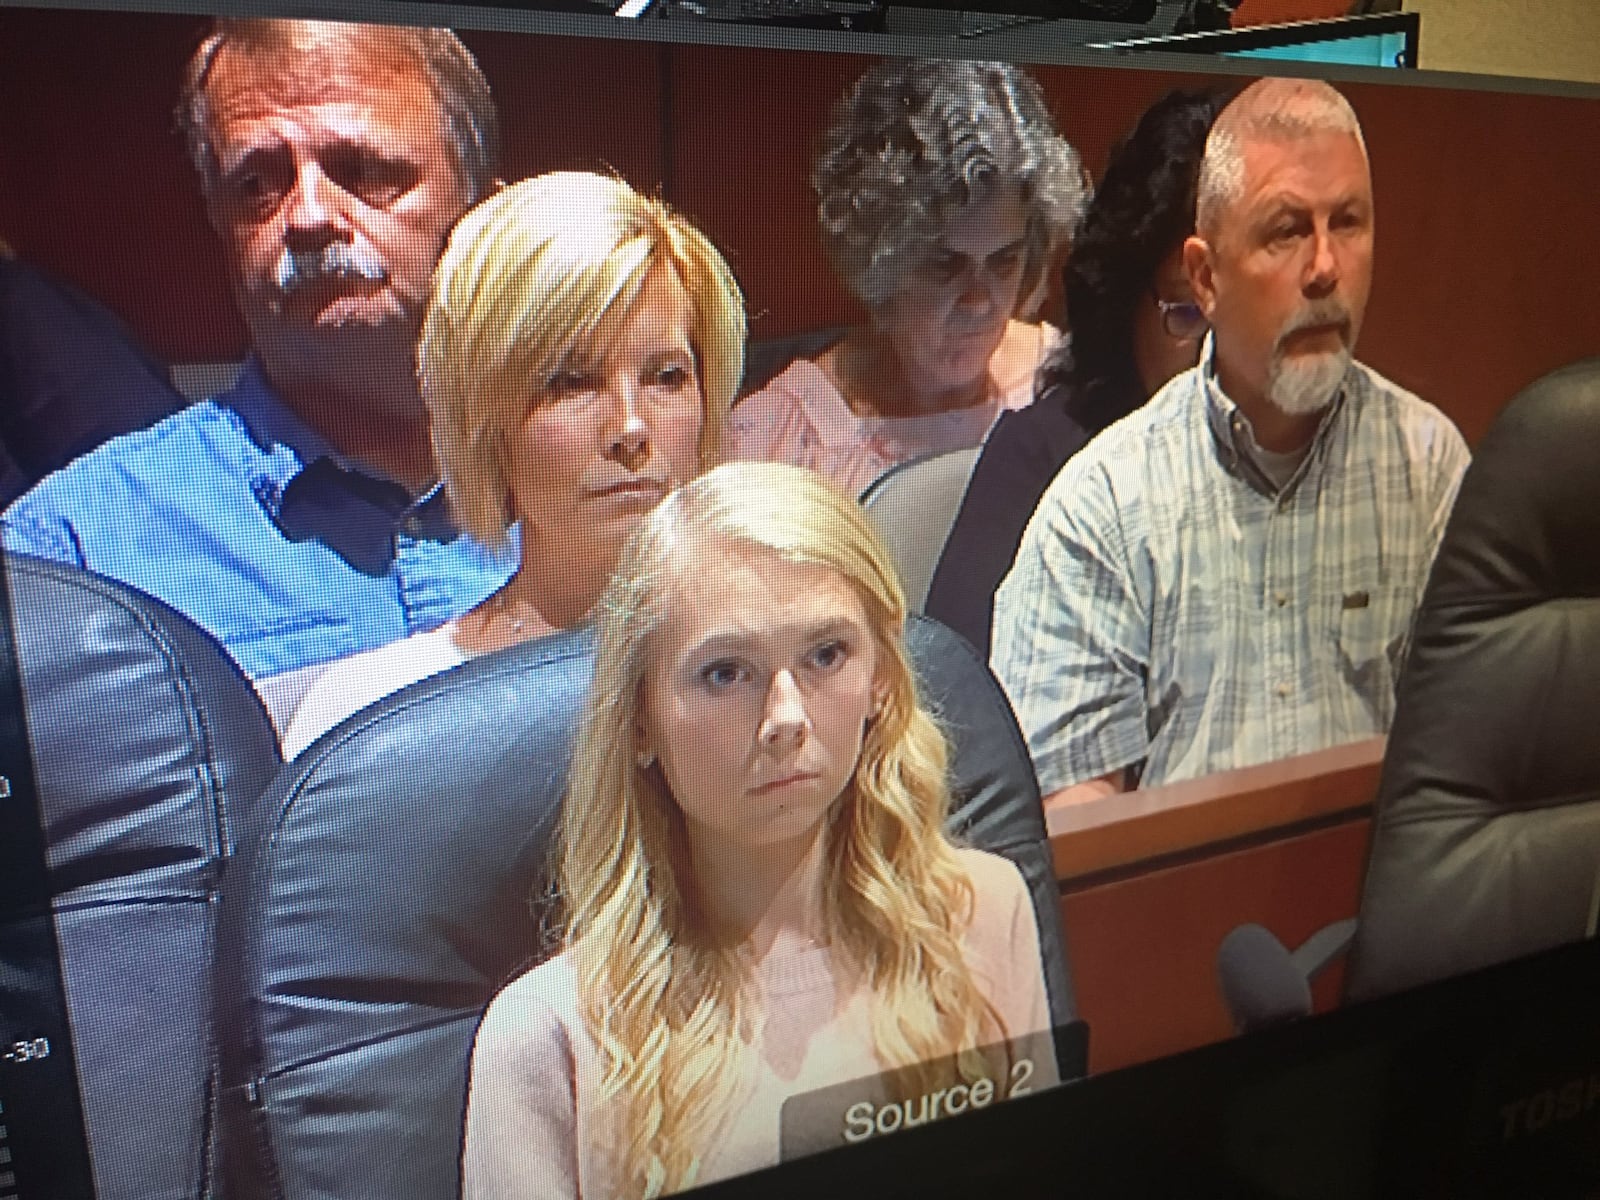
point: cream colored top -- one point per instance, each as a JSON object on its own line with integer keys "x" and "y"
{"x": 352, "y": 683}
{"x": 533, "y": 1127}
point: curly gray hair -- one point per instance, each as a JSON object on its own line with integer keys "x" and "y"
{"x": 917, "y": 140}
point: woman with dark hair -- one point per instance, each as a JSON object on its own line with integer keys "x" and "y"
{"x": 1134, "y": 326}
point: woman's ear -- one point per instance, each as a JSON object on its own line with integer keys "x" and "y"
{"x": 644, "y": 753}
{"x": 880, "y": 698}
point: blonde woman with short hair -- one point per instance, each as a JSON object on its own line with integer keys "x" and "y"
{"x": 761, "y": 900}
{"x": 580, "y": 350}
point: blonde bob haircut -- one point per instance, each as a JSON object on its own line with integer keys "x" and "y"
{"x": 518, "y": 296}
{"x": 669, "y": 1005}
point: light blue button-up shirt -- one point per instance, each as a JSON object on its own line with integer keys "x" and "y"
{"x": 243, "y": 518}
{"x": 1172, "y": 611}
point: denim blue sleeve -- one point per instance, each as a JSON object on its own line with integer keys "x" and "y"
{"x": 30, "y": 527}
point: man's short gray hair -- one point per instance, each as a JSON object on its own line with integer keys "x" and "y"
{"x": 913, "y": 142}
{"x": 1267, "y": 110}
{"x": 471, "y": 124}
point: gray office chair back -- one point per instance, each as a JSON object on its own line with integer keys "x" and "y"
{"x": 994, "y": 795}
{"x": 912, "y": 506}
{"x": 385, "y": 894}
{"x": 1486, "y": 838}
{"x": 148, "y": 744}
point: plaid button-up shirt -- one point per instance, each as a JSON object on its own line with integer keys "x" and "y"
{"x": 1171, "y": 611}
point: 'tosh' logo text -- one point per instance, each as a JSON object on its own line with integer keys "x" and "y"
{"x": 1554, "y": 1105}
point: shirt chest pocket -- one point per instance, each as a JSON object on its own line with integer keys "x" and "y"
{"x": 1369, "y": 627}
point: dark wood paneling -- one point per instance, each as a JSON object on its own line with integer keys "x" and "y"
{"x": 1487, "y": 241}
{"x": 95, "y": 184}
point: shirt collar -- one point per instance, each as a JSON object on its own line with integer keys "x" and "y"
{"x": 311, "y": 492}
{"x": 271, "y": 422}
{"x": 1232, "y": 432}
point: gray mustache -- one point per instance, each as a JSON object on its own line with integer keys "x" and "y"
{"x": 1322, "y": 312}
{"x": 298, "y": 269}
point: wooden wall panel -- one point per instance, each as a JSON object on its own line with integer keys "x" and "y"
{"x": 1153, "y": 880}
{"x": 1144, "y": 948}
{"x": 1487, "y": 241}
{"x": 94, "y": 181}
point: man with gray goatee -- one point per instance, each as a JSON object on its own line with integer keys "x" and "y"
{"x": 296, "y": 516}
{"x": 1228, "y": 575}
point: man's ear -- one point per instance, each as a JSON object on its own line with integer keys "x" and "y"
{"x": 1197, "y": 265}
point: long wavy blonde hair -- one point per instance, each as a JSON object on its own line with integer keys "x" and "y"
{"x": 671, "y": 1009}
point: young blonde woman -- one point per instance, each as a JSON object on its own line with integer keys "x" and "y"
{"x": 580, "y": 350}
{"x": 761, "y": 899}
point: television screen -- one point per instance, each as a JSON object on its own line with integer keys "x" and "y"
{"x": 1383, "y": 40}
{"x": 597, "y": 609}
{"x": 1370, "y": 50}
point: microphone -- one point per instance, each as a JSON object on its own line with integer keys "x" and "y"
{"x": 1261, "y": 984}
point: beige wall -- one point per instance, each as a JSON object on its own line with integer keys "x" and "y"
{"x": 1544, "y": 39}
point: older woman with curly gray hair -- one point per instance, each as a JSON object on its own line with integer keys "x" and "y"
{"x": 945, "y": 196}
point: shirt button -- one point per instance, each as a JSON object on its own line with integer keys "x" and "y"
{"x": 1280, "y": 598}
{"x": 1283, "y": 691}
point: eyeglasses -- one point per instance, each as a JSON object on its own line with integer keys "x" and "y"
{"x": 1182, "y": 319}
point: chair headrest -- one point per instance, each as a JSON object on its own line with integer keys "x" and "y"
{"x": 131, "y": 806}
{"x": 382, "y": 897}
{"x": 1524, "y": 524}
{"x": 1486, "y": 840}
{"x": 396, "y": 854}
{"x": 147, "y": 742}
{"x": 996, "y": 797}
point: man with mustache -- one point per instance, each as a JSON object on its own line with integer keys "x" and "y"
{"x": 297, "y": 516}
{"x": 1228, "y": 575}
